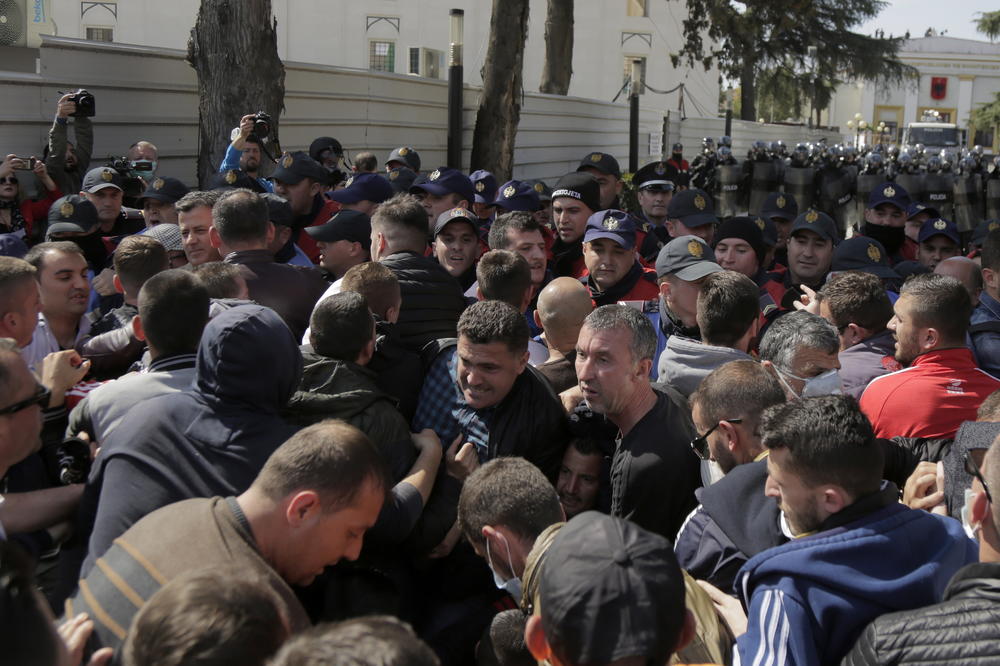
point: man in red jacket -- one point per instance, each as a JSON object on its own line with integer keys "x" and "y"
{"x": 614, "y": 271}
{"x": 942, "y": 385}
{"x": 300, "y": 179}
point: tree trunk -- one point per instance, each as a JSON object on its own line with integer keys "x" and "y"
{"x": 558, "y": 68}
{"x": 748, "y": 90}
{"x": 234, "y": 49}
{"x": 500, "y": 99}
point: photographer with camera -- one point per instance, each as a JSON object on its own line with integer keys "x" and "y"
{"x": 25, "y": 218}
{"x": 66, "y": 162}
{"x": 244, "y": 152}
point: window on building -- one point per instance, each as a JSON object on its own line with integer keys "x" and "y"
{"x": 636, "y": 7}
{"x": 101, "y": 34}
{"x": 984, "y": 138}
{"x": 414, "y": 61}
{"x": 382, "y": 56}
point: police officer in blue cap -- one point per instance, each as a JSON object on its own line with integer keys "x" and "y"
{"x": 485, "y": 186}
{"x": 885, "y": 218}
{"x": 441, "y": 190}
{"x": 655, "y": 184}
{"x": 938, "y": 240}
{"x": 516, "y": 195}
{"x": 614, "y": 273}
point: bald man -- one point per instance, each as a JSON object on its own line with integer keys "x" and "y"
{"x": 966, "y": 271}
{"x": 562, "y": 306}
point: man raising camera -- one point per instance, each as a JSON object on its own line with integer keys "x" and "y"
{"x": 65, "y": 162}
{"x": 244, "y": 153}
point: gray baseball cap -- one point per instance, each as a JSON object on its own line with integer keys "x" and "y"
{"x": 687, "y": 257}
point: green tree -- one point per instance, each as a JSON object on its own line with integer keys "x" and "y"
{"x": 748, "y": 38}
{"x": 988, "y": 23}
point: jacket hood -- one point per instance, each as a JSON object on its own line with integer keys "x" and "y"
{"x": 685, "y": 362}
{"x": 248, "y": 359}
{"x": 336, "y": 389}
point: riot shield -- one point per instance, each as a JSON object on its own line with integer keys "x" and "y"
{"x": 939, "y": 193}
{"x": 835, "y": 195}
{"x": 913, "y": 183}
{"x": 764, "y": 180}
{"x": 799, "y": 182}
{"x": 993, "y": 198}
{"x": 969, "y": 204}
{"x": 865, "y": 184}
{"x": 727, "y": 193}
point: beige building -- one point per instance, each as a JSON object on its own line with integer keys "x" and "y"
{"x": 956, "y": 76}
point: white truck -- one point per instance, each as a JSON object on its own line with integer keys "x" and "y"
{"x": 934, "y": 136}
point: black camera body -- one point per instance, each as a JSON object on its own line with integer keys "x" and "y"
{"x": 86, "y": 105}
{"x": 74, "y": 460}
{"x": 132, "y": 187}
{"x": 261, "y": 125}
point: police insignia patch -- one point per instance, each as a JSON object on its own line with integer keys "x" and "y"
{"x": 539, "y": 188}
{"x": 434, "y": 175}
{"x": 480, "y": 186}
{"x": 66, "y": 209}
{"x": 158, "y": 184}
{"x": 889, "y": 191}
{"x": 695, "y": 249}
{"x": 873, "y": 253}
{"x": 107, "y": 175}
{"x": 610, "y": 223}
{"x": 994, "y": 226}
{"x": 660, "y": 169}
{"x": 760, "y": 223}
{"x": 812, "y": 216}
{"x": 403, "y": 152}
{"x": 780, "y": 202}
{"x": 230, "y": 176}
{"x": 940, "y": 225}
{"x": 393, "y": 175}
{"x": 595, "y": 157}
{"x": 287, "y": 160}
{"x": 509, "y": 191}
{"x": 699, "y": 202}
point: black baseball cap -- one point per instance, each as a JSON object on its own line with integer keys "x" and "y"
{"x": 818, "y": 222}
{"x": 610, "y": 590}
{"x": 232, "y": 179}
{"x": 890, "y": 193}
{"x": 279, "y": 211}
{"x": 485, "y": 185}
{"x": 543, "y": 190}
{"x": 349, "y": 225}
{"x": 400, "y": 178}
{"x": 692, "y": 207}
{"x": 293, "y": 167}
{"x": 616, "y": 225}
{"x": 917, "y": 208}
{"x": 517, "y": 195}
{"x": 688, "y": 257}
{"x": 99, "y": 178}
{"x": 407, "y": 156}
{"x": 363, "y": 187}
{"x": 656, "y": 176}
{"x": 72, "y": 214}
{"x": 603, "y": 162}
{"x": 166, "y": 190}
{"x": 457, "y": 213}
{"x": 780, "y": 204}
{"x": 939, "y": 227}
{"x": 580, "y": 186}
{"x": 860, "y": 253}
{"x": 445, "y": 180}
{"x": 982, "y": 230}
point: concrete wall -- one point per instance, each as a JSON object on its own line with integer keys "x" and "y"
{"x": 151, "y": 93}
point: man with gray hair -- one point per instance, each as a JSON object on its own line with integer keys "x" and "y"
{"x": 801, "y": 349}
{"x": 654, "y": 473}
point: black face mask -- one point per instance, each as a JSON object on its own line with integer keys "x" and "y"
{"x": 891, "y": 237}
{"x": 677, "y": 156}
{"x": 94, "y": 250}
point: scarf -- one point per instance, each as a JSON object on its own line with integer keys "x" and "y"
{"x": 16, "y": 218}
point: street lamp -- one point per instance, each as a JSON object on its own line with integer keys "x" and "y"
{"x": 455, "y": 75}
{"x": 862, "y": 126}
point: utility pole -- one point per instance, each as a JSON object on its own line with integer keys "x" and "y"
{"x": 455, "y": 75}
{"x": 633, "y": 121}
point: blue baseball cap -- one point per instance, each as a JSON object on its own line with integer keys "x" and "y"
{"x": 603, "y": 162}
{"x": 861, "y": 253}
{"x": 363, "y": 187}
{"x": 517, "y": 195}
{"x": 445, "y": 180}
{"x": 692, "y": 207}
{"x": 890, "y": 193}
{"x": 616, "y": 225}
{"x": 400, "y": 178}
{"x": 293, "y": 167}
{"x": 818, "y": 222}
{"x": 939, "y": 227}
{"x": 485, "y": 186}
{"x": 780, "y": 204}
{"x": 915, "y": 209}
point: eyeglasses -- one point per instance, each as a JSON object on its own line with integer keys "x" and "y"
{"x": 971, "y": 469}
{"x": 700, "y": 443}
{"x": 40, "y": 397}
{"x": 9, "y": 179}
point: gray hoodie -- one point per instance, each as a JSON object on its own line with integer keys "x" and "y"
{"x": 685, "y": 362}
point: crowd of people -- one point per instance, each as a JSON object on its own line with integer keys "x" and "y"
{"x": 352, "y": 413}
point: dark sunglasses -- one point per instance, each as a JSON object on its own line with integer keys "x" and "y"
{"x": 972, "y": 470}
{"x": 700, "y": 443}
{"x": 40, "y": 397}
{"x": 9, "y": 179}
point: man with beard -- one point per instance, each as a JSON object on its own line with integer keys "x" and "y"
{"x": 576, "y": 197}
{"x": 942, "y": 385}
{"x": 580, "y": 476}
{"x": 64, "y": 161}
{"x": 244, "y": 153}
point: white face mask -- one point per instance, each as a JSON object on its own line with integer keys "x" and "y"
{"x": 827, "y": 383}
{"x": 512, "y": 585}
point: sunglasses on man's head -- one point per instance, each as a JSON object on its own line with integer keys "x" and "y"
{"x": 39, "y": 397}
{"x": 972, "y": 470}
{"x": 700, "y": 443}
